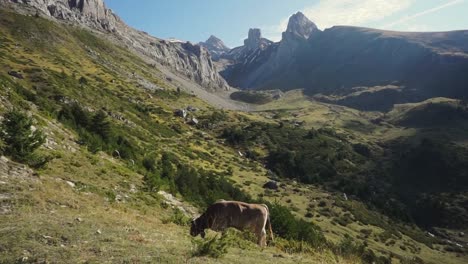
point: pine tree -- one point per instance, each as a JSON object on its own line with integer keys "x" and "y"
{"x": 19, "y": 140}
{"x": 101, "y": 126}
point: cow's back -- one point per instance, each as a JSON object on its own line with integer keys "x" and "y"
{"x": 224, "y": 214}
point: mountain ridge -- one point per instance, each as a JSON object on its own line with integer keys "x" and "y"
{"x": 186, "y": 59}
{"x": 341, "y": 58}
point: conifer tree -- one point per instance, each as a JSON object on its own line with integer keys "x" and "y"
{"x": 19, "y": 139}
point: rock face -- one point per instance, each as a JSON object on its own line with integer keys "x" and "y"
{"x": 91, "y": 13}
{"x": 254, "y": 43}
{"x": 254, "y": 52}
{"x": 182, "y": 58}
{"x": 215, "y": 46}
{"x": 300, "y": 26}
{"x": 342, "y": 58}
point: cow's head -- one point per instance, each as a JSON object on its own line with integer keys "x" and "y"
{"x": 197, "y": 228}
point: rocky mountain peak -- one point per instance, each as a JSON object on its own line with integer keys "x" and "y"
{"x": 214, "y": 41}
{"x": 215, "y": 46}
{"x": 255, "y": 40}
{"x": 300, "y": 26}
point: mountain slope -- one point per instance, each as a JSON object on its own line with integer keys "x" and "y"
{"x": 184, "y": 58}
{"x": 89, "y": 203}
{"x": 341, "y": 58}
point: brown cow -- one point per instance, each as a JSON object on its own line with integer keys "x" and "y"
{"x": 242, "y": 216}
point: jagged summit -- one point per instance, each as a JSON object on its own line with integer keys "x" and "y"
{"x": 300, "y": 26}
{"x": 215, "y": 41}
{"x": 215, "y": 46}
{"x": 255, "y": 40}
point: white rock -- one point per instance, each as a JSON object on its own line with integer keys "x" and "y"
{"x": 71, "y": 184}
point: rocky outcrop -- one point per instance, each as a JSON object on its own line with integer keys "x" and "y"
{"x": 242, "y": 60}
{"x": 215, "y": 46}
{"x": 255, "y": 40}
{"x": 92, "y": 13}
{"x": 253, "y": 44}
{"x": 300, "y": 26}
{"x": 182, "y": 58}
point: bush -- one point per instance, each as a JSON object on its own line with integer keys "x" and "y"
{"x": 285, "y": 225}
{"x": 347, "y": 247}
{"x": 19, "y": 140}
{"x": 214, "y": 247}
{"x": 178, "y": 218}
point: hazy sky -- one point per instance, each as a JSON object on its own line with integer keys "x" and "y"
{"x": 196, "y": 20}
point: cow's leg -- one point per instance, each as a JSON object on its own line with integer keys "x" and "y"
{"x": 263, "y": 238}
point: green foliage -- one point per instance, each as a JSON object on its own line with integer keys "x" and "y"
{"x": 348, "y": 248}
{"x": 423, "y": 173}
{"x": 285, "y": 225}
{"x": 212, "y": 120}
{"x": 293, "y": 246}
{"x": 98, "y": 132}
{"x": 153, "y": 181}
{"x": 178, "y": 218}
{"x": 314, "y": 156}
{"x": 214, "y": 247}
{"x": 19, "y": 140}
{"x": 198, "y": 186}
{"x": 101, "y": 126}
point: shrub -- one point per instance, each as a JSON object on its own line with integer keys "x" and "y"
{"x": 285, "y": 225}
{"x": 214, "y": 247}
{"x": 153, "y": 181}
{"x": 178, "y": 218}
{"x": 19, "y": 140}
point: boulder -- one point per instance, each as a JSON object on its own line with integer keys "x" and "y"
{"x": 272, "y": 185}
{"x": 16, "y": 74}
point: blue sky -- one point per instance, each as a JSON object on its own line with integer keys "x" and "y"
{"x": 196, "y": 20}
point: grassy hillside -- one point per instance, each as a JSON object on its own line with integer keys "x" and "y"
{"x": 113, "y": 142}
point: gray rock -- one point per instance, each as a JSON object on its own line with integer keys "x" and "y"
{"x": 300, "y": 26}
{"x": 272, "y": 185}
{"x": 16, "y": 74}
{"x": 71, "y": 184}
{"x": 181, "y": 113}
{"x": 215, "y": 46}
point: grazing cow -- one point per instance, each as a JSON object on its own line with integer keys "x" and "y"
{"x": 242, "y": 216}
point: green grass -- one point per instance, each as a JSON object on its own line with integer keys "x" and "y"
{"x": 108, "y": 194}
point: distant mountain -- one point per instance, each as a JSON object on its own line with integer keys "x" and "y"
{"x": 341, "y": 59}
{"x": 182, "y": 58}
{"x": 215, "y": 46}
{"x": 241, "y": 61}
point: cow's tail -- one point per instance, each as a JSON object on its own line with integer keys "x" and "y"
{"x": 268, "y": 222}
